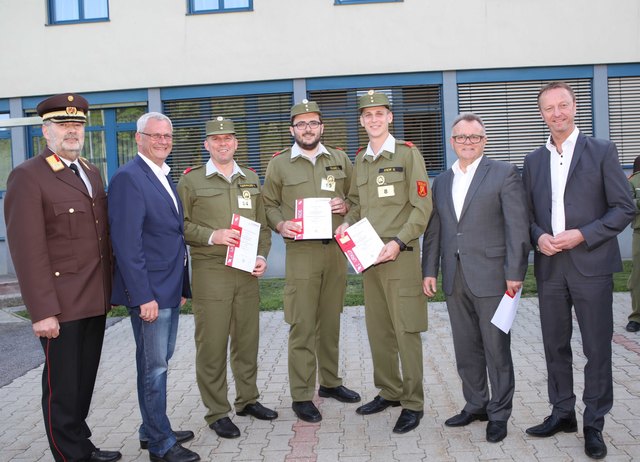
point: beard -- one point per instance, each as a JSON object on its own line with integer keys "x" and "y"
{"x": 307, "y": 145}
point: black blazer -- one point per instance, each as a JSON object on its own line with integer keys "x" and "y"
{"x": 597, "y": 201}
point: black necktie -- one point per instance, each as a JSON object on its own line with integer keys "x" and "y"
{"x": 75, "y": 169}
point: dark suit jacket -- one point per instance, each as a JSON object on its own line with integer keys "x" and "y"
{"x": 492, "y": 236}
{"x": 597, "y": 201}
{"x": 147, "y": 238}
{"x": 59, "y": 241}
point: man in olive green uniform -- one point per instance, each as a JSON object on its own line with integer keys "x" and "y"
{"x": 316, "y": 270}
{"x": 225, "y": 300}
{"x": 390, "y": 188}
{"x": 634, "y": 278}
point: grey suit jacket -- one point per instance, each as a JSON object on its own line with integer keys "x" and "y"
{"x": 491, "y": 237}
{"x": 597, "y": 201}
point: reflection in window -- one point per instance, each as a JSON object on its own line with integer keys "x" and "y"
{"x": 213, "y": 6}
{"x": 65, "y": 11}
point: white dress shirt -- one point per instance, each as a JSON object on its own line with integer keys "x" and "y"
{"x": 296, "y": 151}
{"x": 560, "y": 164}
{"x": 83, "y": 174}
{"x": 461, "y": 182}
{"x": 389, "y": 145}
{"x": 161, "y": 173}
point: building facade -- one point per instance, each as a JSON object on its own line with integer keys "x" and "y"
{"x": 250, "y": 60}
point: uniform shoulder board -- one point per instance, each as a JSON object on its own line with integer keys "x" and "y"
{"x": 410, "y": 144}
{"x": 188, "y": 169}
{"x": 55, "y": 163}
{"x": 359, "y": 149}
{"x": 248, "y": 168}
{"x": 277, "y": 154}
{"x": 85, "y": 163}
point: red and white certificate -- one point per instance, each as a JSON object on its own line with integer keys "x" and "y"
{"x": 314, "y": 215}
{"x": 243, "y": 256}
{"x": 361, "y": 245}
{"x": 506, "y": 311}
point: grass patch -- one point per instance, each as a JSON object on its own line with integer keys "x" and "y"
{"x": 271, "y": 291}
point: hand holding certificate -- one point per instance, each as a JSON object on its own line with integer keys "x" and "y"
{"x": 361, "y": 245}
{"x": 243, "y": 256}
{"x": 314, "y": 216}
{"x": 506, "y": 312}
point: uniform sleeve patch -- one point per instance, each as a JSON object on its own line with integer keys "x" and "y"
{"x": 423, "y": 188}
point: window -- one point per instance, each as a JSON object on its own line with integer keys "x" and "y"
{"x": 510, "y": 112}
{"x": 417, "y": 117}
{"x": 261, "y": 123}
{"x": 6, "y": 163}
{"x": 73, "y": 11}
{"x": 624, "y": 117}
{"x": 219, "y": 6}
{"x": 356, "y": 2}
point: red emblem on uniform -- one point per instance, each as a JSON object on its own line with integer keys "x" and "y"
{"x": 187, "y": 170}
{"x": 422, "y": 188}
{"x": 277, "y": 154}
{"x": 409, "y": 143}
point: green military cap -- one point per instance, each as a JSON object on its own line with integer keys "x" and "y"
{"x": 220, "y": 126}
{"x": 65, "y": 107}
{"x": 373, "y": 98}
{"x": 304, "y": 107}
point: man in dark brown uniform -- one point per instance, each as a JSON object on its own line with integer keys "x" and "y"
{"x": 56, "y": 214}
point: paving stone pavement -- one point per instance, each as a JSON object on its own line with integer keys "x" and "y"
{"x": 342, "y": 435}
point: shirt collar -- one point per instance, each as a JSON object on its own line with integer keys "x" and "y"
{"x": 164, "y": 170}
{"x": 296, "y": 151}
{"x": 471, "y": 168}
{"x": 571, "y": 140}
{"x": 389, "y": 145}
{"x": 211, "y": 169}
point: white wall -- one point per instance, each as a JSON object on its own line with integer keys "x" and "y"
{"x": 153, "y": 43}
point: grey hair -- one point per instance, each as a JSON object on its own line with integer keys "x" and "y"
{"x": 468, "y": 117}
{"x": 141, "y": 124}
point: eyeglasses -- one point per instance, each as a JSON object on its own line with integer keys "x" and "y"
{"x": 303, "y": 125}
{"x": 461, "y": 139}
{"x": 158, "y": 136}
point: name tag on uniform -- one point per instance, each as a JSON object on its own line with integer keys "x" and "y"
{"x": 328, "y": 183}
{"x": 244, "y": 201}
{"x": 386, "y": 191}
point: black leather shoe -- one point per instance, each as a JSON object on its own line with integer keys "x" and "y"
{"x": 378, "y": 404}
{"x": 341, "y": 393}
{"x": 104, "y": 456}
{"x": 407, "y": 421}
{"x": 554, "y": 424}
{"x": 594, "y": 445}
{"x": 307, "y": 411}
{"x": 225, "y": 428}
{"x": 176, "y": 454}
{"x": 181, "y": 437}
{"x": 633, "y": 326}
{"x": 496, "y": 430}
{"x": 258, "y": 411}
{"x": 465, "y": 418}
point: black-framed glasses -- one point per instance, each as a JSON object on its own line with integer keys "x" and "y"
{"x": 461, "y": 139}
{"x": 158, "y": 136}
{"x": 303, "y": 125}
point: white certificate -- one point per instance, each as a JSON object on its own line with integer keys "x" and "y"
{"x": 506, "y": 312}
{"x": 361, "y": 245}
{"x": 314, "y": 215}
{"x": 243, "y": 257}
